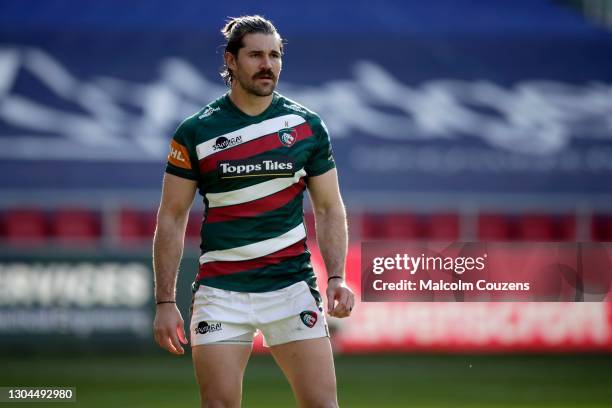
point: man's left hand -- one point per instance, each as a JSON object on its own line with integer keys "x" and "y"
{"x": 340, "y": 298}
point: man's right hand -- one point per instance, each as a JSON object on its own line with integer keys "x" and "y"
{"x": 169, "y": 328}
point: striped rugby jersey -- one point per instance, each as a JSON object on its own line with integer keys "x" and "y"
{"x": 252, "y": 172}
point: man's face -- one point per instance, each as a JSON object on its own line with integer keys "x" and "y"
{"x": 257, "y": 67}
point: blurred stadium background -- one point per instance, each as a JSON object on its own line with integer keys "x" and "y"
{"x": 452, "y": 120}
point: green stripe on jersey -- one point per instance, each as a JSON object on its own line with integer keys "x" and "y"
{"x": 272, "y": 277}
{"x": 245, "y": 231}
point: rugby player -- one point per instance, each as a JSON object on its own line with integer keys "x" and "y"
{"x": 251, "y": 154}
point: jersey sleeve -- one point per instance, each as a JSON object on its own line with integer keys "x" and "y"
{"x": 322, "y": 158}
{"x": 182, "y": 158}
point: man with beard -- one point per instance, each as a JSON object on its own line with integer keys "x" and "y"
{"x": 251, "y": 154}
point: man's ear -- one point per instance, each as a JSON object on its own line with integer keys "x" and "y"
{"x": 230, "y": 60}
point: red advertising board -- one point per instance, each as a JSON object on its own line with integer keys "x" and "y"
{"x": 465, "y": 326}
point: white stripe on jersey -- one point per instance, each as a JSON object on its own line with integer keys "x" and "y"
{"x": 250, "y": 132}
{"x": 258, "y": 249}
{"x": 254, "y": 192}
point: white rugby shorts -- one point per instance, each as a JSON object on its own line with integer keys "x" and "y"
{"x": 282, "y": 315}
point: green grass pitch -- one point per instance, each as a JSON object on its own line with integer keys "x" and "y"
{"x": 165, "y": 381}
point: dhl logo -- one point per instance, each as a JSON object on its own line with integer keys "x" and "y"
{"x": 179, "y": 156}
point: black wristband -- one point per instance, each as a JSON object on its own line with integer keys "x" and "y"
{"x": 334, "y": 277}
{"x": 165, "y": 301}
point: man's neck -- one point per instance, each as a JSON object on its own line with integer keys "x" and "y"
{"x": 250, "y": 104}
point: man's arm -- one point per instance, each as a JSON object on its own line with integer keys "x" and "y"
{"x": 332, "y": 237}
{"x": 177, "y": 196}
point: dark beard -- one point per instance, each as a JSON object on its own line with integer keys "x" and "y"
{"x": 251, "y": 88}
{"x": 258, "y": 92}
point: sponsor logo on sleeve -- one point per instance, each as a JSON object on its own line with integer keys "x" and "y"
{"x": 179, "y": 156}
{"x": 208, "y": 111}
{"x": 309, "y": 318}
{"x": 277, "y": 166}
{"x": 294, "y": 107}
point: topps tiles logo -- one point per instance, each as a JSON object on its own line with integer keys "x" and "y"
{"x": 224, "y": 142}
{"x": 282, "y": 166}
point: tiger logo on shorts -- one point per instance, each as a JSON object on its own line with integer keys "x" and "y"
{"x": 309, "y": 318}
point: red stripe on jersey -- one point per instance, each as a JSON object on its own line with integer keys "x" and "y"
{"x": 251, "y": 148}
{"x": 255, "y": 207}
{"x": 220, "y": 268}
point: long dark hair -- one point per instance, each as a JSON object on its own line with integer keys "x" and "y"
{"x": 235, "y": 30}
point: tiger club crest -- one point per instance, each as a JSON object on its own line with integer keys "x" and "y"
{"x": 287, "y": 136}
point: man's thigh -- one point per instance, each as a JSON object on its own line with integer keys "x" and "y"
{"x": 309, "y": 367}
{"x": 219, "y": 370}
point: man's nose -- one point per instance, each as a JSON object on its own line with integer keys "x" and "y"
{"x": 266, "y": 62}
